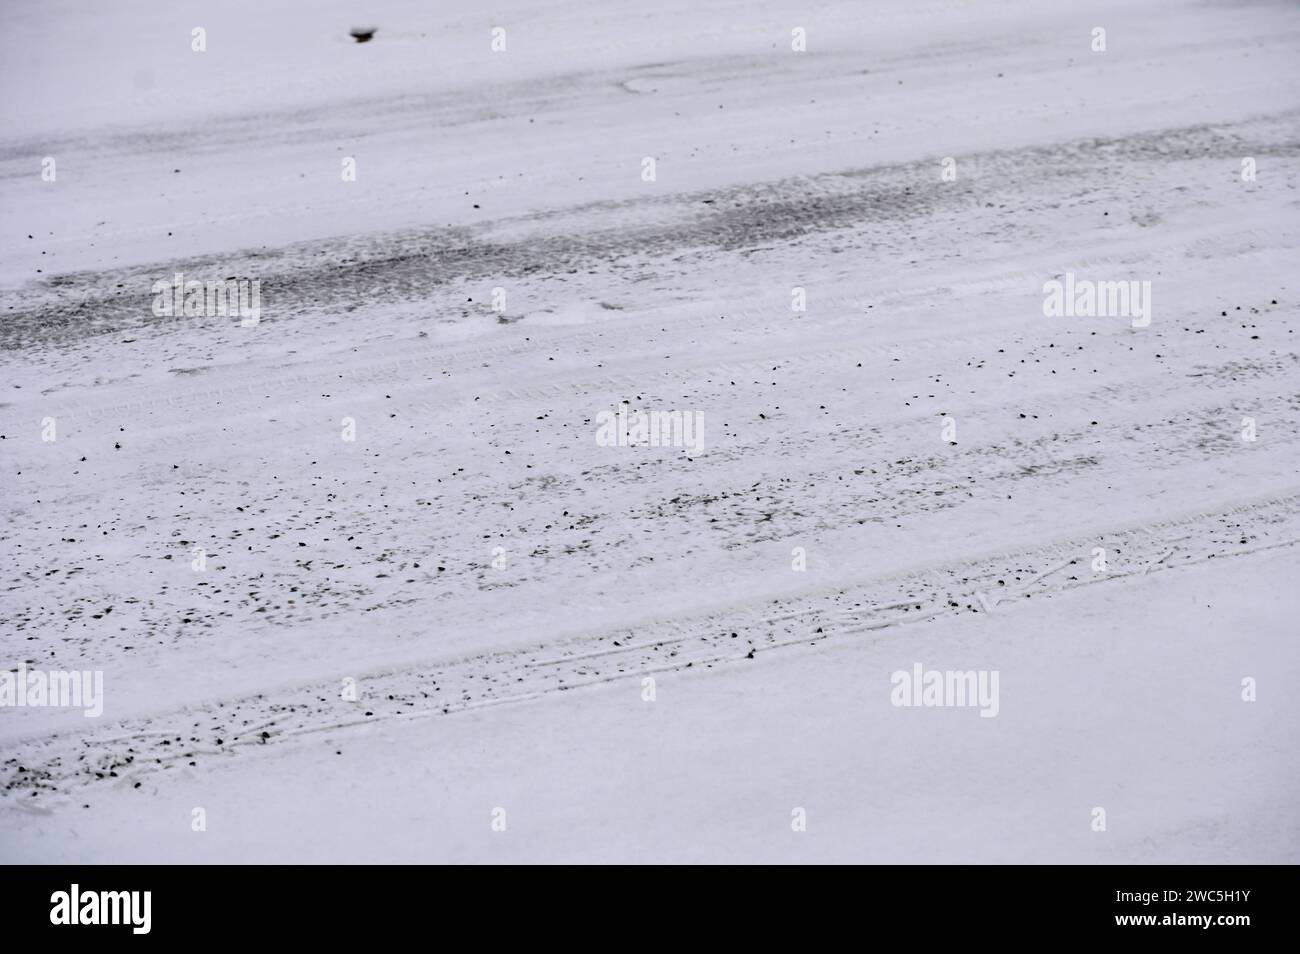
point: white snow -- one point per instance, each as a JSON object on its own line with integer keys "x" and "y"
{"x": 373, "y": 559}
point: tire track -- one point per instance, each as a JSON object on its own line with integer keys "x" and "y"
{"x": 134, "y": 751}
{"x": 419, "y": 265}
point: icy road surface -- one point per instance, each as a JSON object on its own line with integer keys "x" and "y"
{"x": 392, "y": 483}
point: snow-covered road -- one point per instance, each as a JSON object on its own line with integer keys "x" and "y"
{"x": 392, "y": 481}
